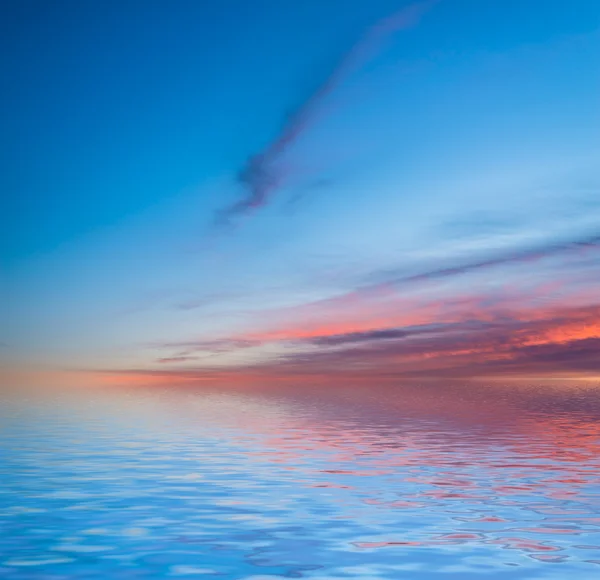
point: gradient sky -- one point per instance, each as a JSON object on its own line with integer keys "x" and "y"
{"x": 256, "y": 189}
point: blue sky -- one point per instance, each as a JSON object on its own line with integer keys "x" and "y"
{"x": 472, "y": 133}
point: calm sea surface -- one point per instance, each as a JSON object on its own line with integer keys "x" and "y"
{"x": 363, "y": 483}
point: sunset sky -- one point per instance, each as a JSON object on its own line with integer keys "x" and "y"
{"x": 238, "y": 190}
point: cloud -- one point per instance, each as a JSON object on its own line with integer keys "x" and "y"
{"x": 261, "y": 177}
{"x": 564, "y": 341}
{"x": 577, "y": 354}
{"x": 367, "y": 336}
{"x": 591, "y": 242}
{"x": 540, "y": 343}
{"x": 394, "y": 301}
{"x": 215, "y": 346}
{"x": 175, "y": 359}
{"x": 545, "y": 324}
{"x": 461, "y": 359}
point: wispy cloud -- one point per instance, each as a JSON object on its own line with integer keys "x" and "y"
{"x": 536, "y": 319}
{"x": 529, "y": 341}
{"x": 591, "y": 242}
{"x": 216, "y": 346}
{"x": 175, "y": 359}
{"x": 358, "y": 337}
{"x": 261, "y": 177}
{"x": 562, "y": 342}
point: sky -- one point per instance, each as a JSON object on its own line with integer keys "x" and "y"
{"x": 262, "y": 191}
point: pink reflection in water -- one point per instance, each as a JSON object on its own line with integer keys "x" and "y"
{"x": 493, "y": 469}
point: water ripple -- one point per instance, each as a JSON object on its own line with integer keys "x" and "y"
{"x": 255, "y": 486}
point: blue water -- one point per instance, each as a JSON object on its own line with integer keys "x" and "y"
{"x": 372, "y": 483}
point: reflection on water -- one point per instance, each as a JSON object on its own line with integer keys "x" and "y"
{"x": 377, "y": 483}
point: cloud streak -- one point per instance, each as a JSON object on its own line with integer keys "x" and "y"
{"x": 539, "y": 319}
{"x": 531, "y": 342}
{"x": 175, "y": 359}
{"x": 260, "y": 177}
{"x": 519, "y": 257}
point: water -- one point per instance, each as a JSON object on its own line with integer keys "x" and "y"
{"x": 369, "y": 483}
